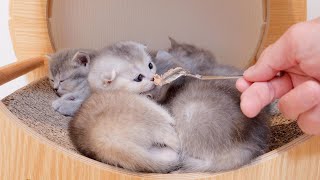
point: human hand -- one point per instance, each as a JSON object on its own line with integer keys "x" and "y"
{"x": 297, "y": 53}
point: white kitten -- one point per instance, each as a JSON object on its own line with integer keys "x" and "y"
{"x": 125, "y": 66}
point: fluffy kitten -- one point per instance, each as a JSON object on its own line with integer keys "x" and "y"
{"x": 118, "y": 126}
{"x": 68, "y": 72}
{"x": 214, "y": 134}
{"x": 124, "y": 65}
{"x": 194, "y": 59}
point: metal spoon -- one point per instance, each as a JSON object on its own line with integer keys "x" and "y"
{"x": 178, "y": 72}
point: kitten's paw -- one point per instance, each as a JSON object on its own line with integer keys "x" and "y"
{"x": 159, "y": 93}
{"x": 166, "y": 156}
{"x": 166, "y": 148}
{"x": 64, "y": 108}
{"x": 150, "y": 96}
{"x": 56, "y": 104}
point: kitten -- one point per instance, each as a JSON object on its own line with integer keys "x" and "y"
{"x": 124, "y": 65}
{"x": 214, "y": 134}
{"x": 118, "y": 126}
{"x": 68, "y": 71}
{"x": 199, "y": 61}
{"x": 194, "y": 59}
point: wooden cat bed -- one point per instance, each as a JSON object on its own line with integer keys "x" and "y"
{"x": 34, "y": 26}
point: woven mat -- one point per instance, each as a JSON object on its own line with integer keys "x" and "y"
{"x": 32, "y": 105}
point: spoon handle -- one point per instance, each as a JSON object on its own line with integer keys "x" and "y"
{"x": 280, "y": 74}
{"x": 219, "y": 77}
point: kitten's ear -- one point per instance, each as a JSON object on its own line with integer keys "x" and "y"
{"x": 161, "y": 54}
{"x": 81, "y": 58}
{"x": 173, "y": 42}
{"x": 108, "y": 77}
{"x": 144, "y": 45}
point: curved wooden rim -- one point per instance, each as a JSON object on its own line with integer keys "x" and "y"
{"x": 266, "y": 157}
{"x": 30, "y": 36}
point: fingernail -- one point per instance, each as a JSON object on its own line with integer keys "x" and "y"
{"x": 242, "y": 85}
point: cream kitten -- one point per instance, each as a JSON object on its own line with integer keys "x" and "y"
{"x": 118, "y": 126}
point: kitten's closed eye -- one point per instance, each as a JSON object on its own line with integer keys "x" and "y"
{"x": 139, "y": 78}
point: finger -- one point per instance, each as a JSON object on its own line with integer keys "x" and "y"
{"x": 309, "y": 121}
{"x": 242, "y": 84}
{"x": 300, "y": 44}
{"x": 299, "y": 100}
{"x": 260, "y": 94}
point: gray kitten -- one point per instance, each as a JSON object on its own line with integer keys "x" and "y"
{"x": 214, "y": 133}
{"x": 68, "y": 72}
{"x": 194, "y": 59}
{"x": 118, "y": 126}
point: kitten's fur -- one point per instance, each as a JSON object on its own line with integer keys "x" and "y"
{"x": 68, "y": 72}
{"x": 118, "y": 65}
{"x": 194, "y": 59}
{"x": 214, "y": 134}
{"x": 118, "y": 126}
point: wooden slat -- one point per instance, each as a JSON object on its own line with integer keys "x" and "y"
{"x": 15, "y": 70}
{"x": 29, "y": 32}
{"x": 282, "y": 15}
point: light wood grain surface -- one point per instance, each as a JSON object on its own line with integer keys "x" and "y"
{"x": 282, "y": 14}
{"x": 29, "y": 32}
{"x": 26, "y": 155}
{"x": 17, "y": 69}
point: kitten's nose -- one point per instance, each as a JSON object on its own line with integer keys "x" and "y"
{"x": 55, "y": 89}
{"x": 152, "y": 79}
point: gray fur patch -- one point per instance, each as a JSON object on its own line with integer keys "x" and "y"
{"x": 126, "y": 51}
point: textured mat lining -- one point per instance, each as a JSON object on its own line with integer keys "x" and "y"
{"x": 32, "y": 105}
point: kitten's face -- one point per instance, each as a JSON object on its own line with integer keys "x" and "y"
{"x": 164, "y": 62}
{"x": 124, "y": 66}
{"x": 67, "y": 70}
